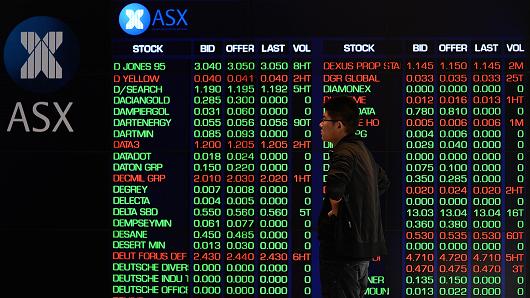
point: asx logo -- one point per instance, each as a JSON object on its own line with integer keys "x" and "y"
{"x": 168, "y": 19}
{"x": 41, "y": 54}
{"x": 135, "y": 18}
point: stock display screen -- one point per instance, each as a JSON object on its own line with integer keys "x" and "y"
{"x": 218, "y": 163}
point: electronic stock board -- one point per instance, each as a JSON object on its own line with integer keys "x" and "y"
{"x": 214, "y": 167}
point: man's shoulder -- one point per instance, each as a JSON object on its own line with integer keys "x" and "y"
{"x": 349, "y": 147}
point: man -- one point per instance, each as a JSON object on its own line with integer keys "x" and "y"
{"x": 350, "y": 226}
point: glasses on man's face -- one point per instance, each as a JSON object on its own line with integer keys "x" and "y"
{"x": 330, "y": 120}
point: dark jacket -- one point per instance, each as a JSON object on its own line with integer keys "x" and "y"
{"x": 355, "y": 177}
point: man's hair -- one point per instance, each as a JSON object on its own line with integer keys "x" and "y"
{"x": 343, "y": 108}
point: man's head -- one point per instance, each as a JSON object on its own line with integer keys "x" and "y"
{"x": 340, "y": 118}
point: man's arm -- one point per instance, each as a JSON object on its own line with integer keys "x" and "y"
{"x": 339, "y": 175}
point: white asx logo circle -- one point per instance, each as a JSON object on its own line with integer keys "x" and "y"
{"x": 134, "y": 19}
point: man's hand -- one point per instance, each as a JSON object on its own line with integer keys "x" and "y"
{"x": 334, "y": 207}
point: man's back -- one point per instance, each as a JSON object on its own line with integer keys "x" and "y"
{"x": 356, "y": 177}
